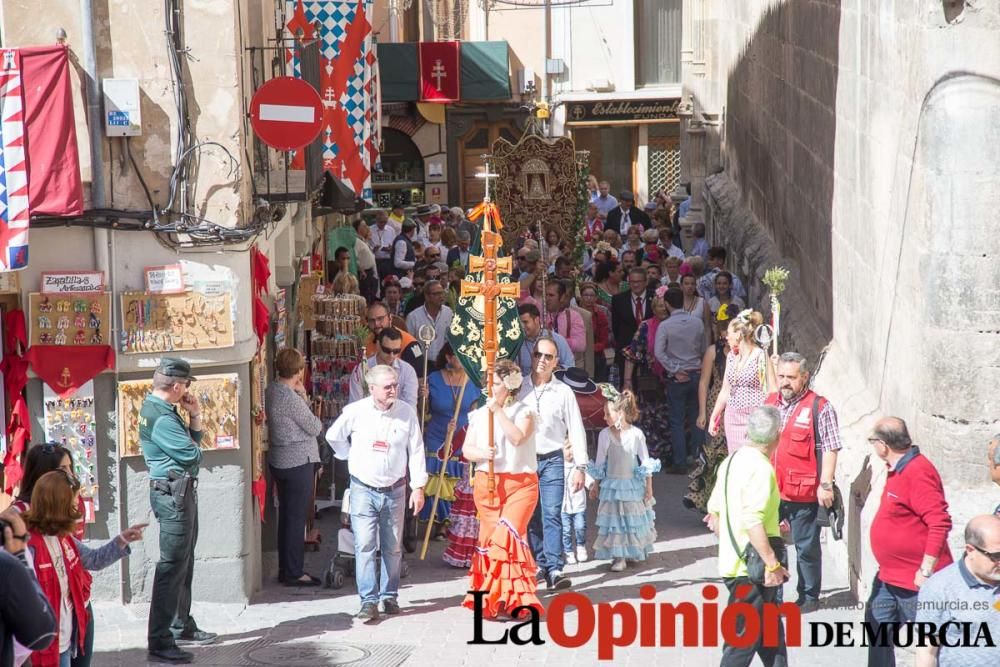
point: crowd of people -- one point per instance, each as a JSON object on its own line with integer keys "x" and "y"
{"x": 641, "y": 347}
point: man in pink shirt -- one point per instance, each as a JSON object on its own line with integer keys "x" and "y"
{"x": 564, "y": 321}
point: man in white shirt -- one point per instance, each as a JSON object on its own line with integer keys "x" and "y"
{"x": 604, "y": 202}
{"x": 434, "y": 313}
{"x": 380, "y": 239}
{"x": 388, "y": 348}
{"x": 380, "y": 438}
{"x": 557, "y": 417}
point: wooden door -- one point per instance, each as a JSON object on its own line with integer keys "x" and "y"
{"x": 477, "y": 142}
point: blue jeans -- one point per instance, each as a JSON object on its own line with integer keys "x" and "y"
{"x": 377, "y": 523}
{"x": 574, "y": 523}
{"x": 683, "y": 400}
{"x": 808, "y": 557}
{"x": 545, "y": 528}
{"x": 888, "y": 604}
{"x": 66, "y": 657}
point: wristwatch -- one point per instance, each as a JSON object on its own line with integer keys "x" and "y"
{"x": 926, "y": 573}
{"x": 826, "y": 486}
{"x": 583, "y": 468}
{"x": 773, "y": 568}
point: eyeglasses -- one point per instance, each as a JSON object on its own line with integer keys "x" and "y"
{"x": 872, "y": 441}
{"x": 391, "y": 350}
{"x": 992, "y": 555}
{"x": 543, "y": 355}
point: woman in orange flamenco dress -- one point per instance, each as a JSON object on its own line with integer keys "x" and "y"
{"x": 502, "y": 565}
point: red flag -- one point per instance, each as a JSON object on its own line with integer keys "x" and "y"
{"x": 439, "y": 71}
{"x": 66, "y": 368}
{"x": 54, "y": 183}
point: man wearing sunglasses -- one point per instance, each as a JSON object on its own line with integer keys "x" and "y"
{"x": 172, "y": 452}
{"x": 965, "y": 592}
{"x": 909, "y": 534}
{"x": 378, "y": 319}
{"x": 388, "y": 352}
{"x": 557, "y": 419}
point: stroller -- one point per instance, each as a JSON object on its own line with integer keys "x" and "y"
{"x": 343, "y": 563}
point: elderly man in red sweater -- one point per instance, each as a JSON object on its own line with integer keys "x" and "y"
{"x": 909, "y": 535}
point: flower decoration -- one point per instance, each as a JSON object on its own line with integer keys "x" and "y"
{"x": 776, "y": 279}
{"x": 723, "y": 313}
{"x": 661, "y": 291}
{"x": 512, "y": 381}
{"x": 609, "y": 392}
{"x": 744, "y": 315}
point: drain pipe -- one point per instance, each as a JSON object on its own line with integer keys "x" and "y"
{"x": 104, "y": 249}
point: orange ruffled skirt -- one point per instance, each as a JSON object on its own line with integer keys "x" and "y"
{"x": 502, "y": 564}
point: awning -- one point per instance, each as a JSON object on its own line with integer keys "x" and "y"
{"x": 484, "y": 65}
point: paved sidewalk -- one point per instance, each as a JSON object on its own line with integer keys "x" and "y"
{"x": 314, "y": 627}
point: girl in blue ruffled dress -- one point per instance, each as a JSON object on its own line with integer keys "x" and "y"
{"x": 623, "y": 471}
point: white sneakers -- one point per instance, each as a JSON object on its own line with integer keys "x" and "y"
{"x": 570, "y": 558}
{"x": 618, "y": 565}
{"x": 581, "y": 554}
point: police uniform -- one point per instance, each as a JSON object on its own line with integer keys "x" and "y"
{"x": 172, "y": 453}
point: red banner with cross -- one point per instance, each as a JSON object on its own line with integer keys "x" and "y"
{"x": 439, "y": 71}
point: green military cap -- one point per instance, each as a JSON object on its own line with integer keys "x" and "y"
{"x": 177, "y": 368}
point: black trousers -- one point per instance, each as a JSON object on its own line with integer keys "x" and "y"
{"x": 295, "y": 487}
{"x": 170, "y": 607}
{"x": 775, "y": 656}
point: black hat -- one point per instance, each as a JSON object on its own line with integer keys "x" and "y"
{"x": 175, "y": 368}
{"x": 577, "y": 380}
{"x": 423, "y": 209}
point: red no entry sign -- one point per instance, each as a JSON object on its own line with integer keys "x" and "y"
{"x": 286, "y": 113}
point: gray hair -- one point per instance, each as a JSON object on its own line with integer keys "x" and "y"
{"x": 763, "y": 426}
{"x": 795, "y": 358}
{"x": 377, "y": 375}
{"x": 464, "y": 235}
{"x": 163, "y": 382}
{"x": 458, "y": 212}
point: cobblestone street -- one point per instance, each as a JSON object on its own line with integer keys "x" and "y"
{"x": 314, "y": 627}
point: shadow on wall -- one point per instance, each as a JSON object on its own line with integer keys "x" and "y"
{"x": 780, "y": 136}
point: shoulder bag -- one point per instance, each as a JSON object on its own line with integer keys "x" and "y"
{"x": 749, "y": 554}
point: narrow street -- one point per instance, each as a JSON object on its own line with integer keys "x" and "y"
{"x": 311, "y": 627}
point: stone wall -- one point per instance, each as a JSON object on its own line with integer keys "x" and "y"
{"x": 859, "y": 143}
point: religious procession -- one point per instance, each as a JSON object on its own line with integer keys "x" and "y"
{"x": 381, "y": 332}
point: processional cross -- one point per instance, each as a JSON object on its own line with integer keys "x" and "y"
{"x": 490, "y": 289}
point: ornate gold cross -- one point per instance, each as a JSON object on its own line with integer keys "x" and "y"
{"x": 491, "y": 290}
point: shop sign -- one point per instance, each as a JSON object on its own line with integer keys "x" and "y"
{"x": 72, "y": 281}
{"x": 168, "y": 279}
{"x": 622, "y": 111}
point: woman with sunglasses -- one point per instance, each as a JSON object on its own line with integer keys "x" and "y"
{"x": 61, "y": 565}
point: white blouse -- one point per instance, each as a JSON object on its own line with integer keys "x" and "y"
{"x": 509, "y": 458}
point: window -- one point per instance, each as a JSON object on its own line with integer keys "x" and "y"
{"x": 658, "y": 47}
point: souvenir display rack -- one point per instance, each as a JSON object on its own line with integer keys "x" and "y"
{"x": 72, "y": 422}
{"x": 169, "y": 322}
{"x": 69, "y": 318}
{"x": 336, "y": 350}
{"x": 219, "y": 398}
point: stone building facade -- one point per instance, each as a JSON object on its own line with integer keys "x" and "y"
{"x": 131, "y": 43}
{"x": 856, "y": 143}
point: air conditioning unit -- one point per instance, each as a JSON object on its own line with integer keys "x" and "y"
{"x": 600, "y": 85}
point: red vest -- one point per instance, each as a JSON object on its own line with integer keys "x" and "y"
{"x": 79, "y": 591}
{"x": 794, "y": 458}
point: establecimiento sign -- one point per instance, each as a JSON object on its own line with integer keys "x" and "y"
{"x": 622, "y": 111}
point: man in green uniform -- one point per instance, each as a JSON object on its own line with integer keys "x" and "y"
{"x": 172, "y": 452}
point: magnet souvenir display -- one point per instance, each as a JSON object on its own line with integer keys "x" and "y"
{"x": 69, "y": 318}
{"x": 218, "y": 395}
{"x": 72, "y": 422}
{"x": 169, "y": 322}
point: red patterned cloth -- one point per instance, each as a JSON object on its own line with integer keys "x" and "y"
{"x": 67, "y": 368}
